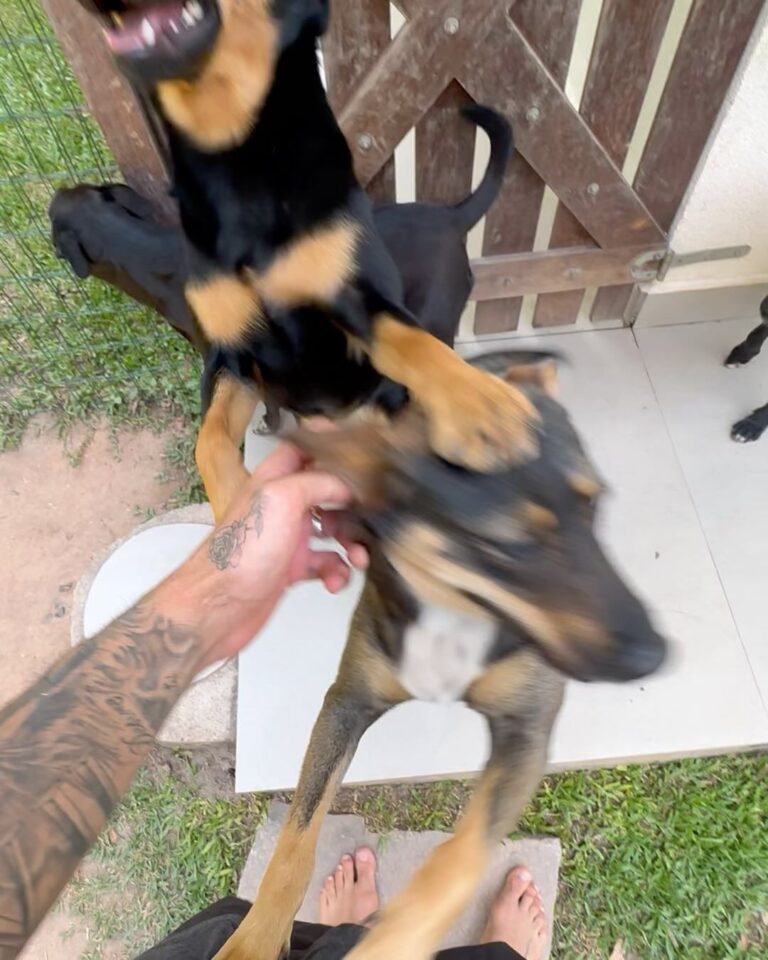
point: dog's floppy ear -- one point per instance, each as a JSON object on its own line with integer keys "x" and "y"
{"x": 537, "y": 367}
{"x": 67, "y": 245}
{"x": 128, "y": 199}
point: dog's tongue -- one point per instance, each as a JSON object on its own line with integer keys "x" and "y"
{"x": 142, "y": 28}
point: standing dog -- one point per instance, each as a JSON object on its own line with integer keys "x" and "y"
{"x": 752, "y": 426}
{"x": 290, "y": 282}
{"x": 486, "y": 588}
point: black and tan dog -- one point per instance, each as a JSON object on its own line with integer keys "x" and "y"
{"x": 489, "y": 588}
{"x": 289, "y": 280}
{"x": 114, "y": 234}
{"x": 754, "y": 425}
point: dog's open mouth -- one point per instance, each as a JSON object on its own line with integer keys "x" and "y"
{"x": 168, "y": 40}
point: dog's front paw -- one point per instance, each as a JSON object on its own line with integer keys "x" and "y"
{"x": 481, "y": 422}
{"x": 750, "y": 428}
{"x": 741, "y": 354}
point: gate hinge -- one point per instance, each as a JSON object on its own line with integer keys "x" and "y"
{"x": 654, "y": 265}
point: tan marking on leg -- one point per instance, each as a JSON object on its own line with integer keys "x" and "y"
{"x": 380, "y": 676}
{"x": 313, "y": 269}
{"x": 412, "y": 925}
{"x": 415, "y": 922}
{"x": 226, "y": 307}
{"x": 220, "y": 107}
{"x": 505, "y": 683}
{"x": 475, "y": 418}
{"x": 217, "y": 453}
{"x": 266, "y": 929}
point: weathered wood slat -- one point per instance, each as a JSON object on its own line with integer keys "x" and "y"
{"x": 511, "y": 223}
{"x": 626, "y": 44}
{"x": 409, "y": 76}
{"x": 358, "y": 34}
{"x": 572, "y": 160}
{"x": 112, "y": 102}
{"x": 445, "y": 149}
{"x": 568, "y": 268}
{"x": 709, "y": 52}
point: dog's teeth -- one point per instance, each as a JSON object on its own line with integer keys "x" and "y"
{"x": 187, "y": 18}
{"x": 147, "y": 33}
{"x": 173, "y": 25}
{"x": 195, "y": 9}
{"x": 117, "y": 19}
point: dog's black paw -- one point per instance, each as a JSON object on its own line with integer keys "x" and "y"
{"x": 740, "y": 355}
{"x": 749, "y": 429}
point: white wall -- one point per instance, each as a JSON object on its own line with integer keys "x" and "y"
{"x": 727, "y": 203}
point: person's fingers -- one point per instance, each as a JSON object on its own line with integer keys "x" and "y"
{"x": 314, "y": 488}
{"x": 341, "y": 527}
{"x": 357, "y": 555}
{"x": 329, "y": 567}
{"x": 282, "y": 462}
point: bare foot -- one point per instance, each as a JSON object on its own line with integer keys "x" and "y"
{"x": 517, "y": 917}
{"x": 350, "y": 896}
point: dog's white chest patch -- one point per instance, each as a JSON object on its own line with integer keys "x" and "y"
{"x": 443, "y": 652}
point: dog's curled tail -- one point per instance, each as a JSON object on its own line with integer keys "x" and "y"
{"x": 499, "y": 132}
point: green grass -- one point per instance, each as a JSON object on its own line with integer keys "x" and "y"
{"x": 169, "y": 852}
{"x": 69, "y": 349}
{"x": 672, "y": 859}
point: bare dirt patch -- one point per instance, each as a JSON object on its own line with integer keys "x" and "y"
{"x": 54, "y": 518}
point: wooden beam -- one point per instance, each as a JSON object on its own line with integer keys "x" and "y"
{"x": 624, "y": 52}
{"x": 445, "y": 150}
{"x": 409, "y": 77}
{"x": 358, "y": 34}
{"x": 511, "y": 223}
{"x": 626, "y": 48}
{"x": 566, "y": 268}
{"x": 112, "y": 101}
{"x": 571, "y": 161}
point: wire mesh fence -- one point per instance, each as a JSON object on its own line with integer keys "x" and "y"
{"x": 68, "y": 348}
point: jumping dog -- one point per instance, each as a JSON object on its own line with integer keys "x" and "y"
{"x": 489, "y": 588}
{"x": 290, "y": 282}
{"x": 114, "y": 234}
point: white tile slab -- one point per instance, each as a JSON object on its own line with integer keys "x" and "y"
{"x": 137, "y": 566}
{"x": 728, "y": 481}
{"x": 706, "y": 699}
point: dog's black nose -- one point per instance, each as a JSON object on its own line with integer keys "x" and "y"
{"x": 636, "y": 655}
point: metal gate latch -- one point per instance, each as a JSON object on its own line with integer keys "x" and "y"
{"x": 655, "y": 264}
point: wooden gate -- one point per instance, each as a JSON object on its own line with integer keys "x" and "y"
{"x": 613, "y": 210}
{"x": 617, "y": 167}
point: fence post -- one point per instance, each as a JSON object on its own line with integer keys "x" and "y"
{"x": 112, "y": 101}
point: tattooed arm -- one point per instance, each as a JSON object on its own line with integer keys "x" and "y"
{"x": 70, "y": 745}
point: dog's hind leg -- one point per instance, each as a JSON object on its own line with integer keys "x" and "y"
{"x": 413, "y": 925}
{"x": 364, "y": 689}
{"x": 217, "y": 452}
{"x": 749, "y": 348}
{"x": 751, "y": 427}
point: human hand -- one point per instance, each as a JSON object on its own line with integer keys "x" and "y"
{"x": 233, "y": 582}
